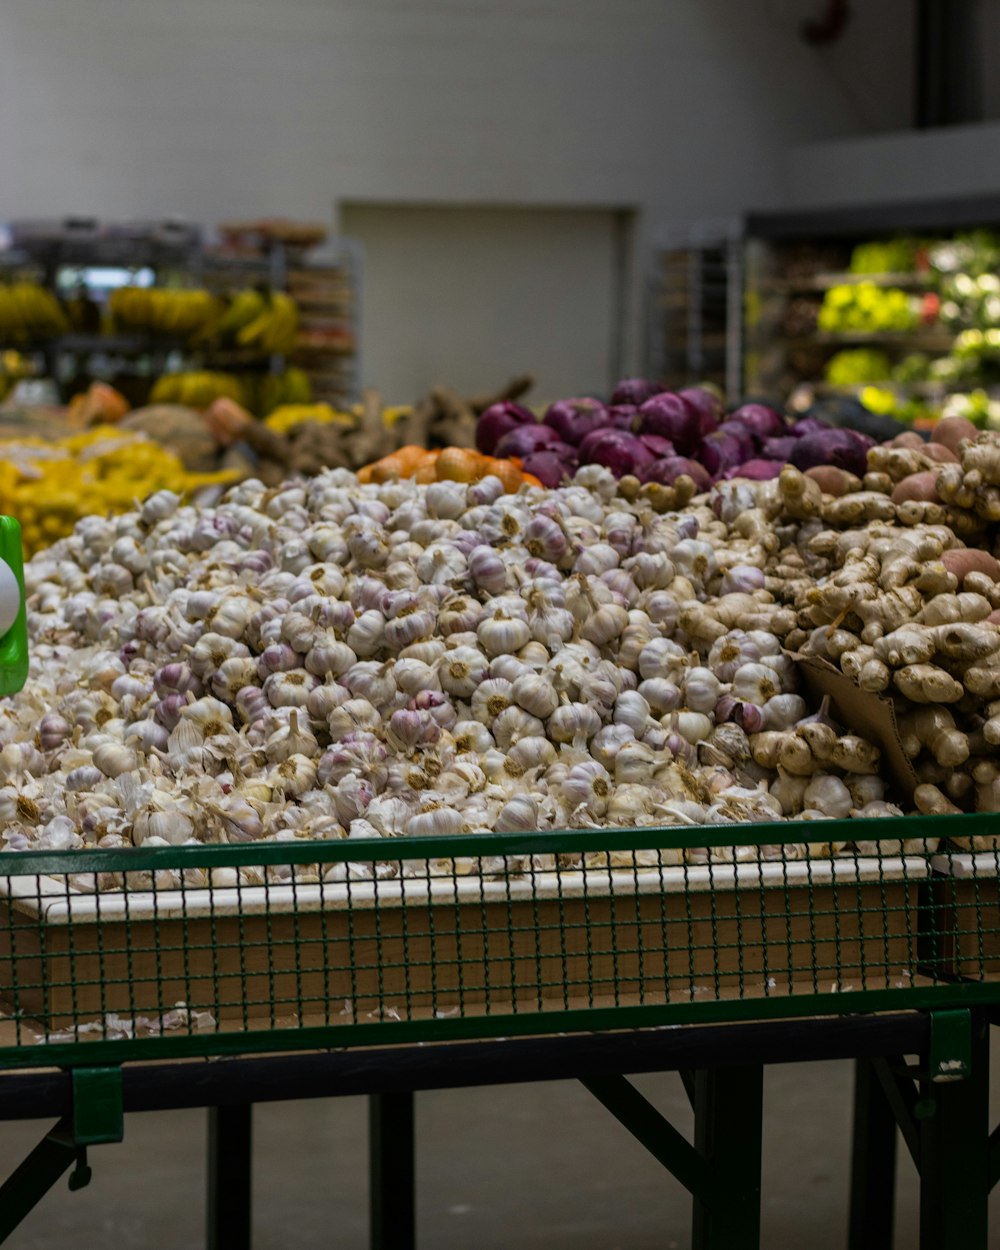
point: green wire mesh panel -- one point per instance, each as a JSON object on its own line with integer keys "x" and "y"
{"x": 300, "y": 943}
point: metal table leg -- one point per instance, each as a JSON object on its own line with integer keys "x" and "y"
{"x": 392, "y": 1180}
{"x": 954, "y": 1155}
{"x": 728, "y": 1110}
{"x": 873, "y": 1163}
{"x": 230, "y": 1189}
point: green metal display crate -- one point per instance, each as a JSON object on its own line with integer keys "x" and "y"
{"x": 438, "y": 938}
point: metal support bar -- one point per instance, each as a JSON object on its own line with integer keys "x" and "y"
{"x": 654, "y": 1132}
{"x": 901, "y": 1095}
{"x": 98, "y": 1106}
{"x": 230, "y": 1183}
{"x": 951, "y": 1045}
{"x": 392, "y": 1175}
{"x": 994, "y": 1158}
{"x": 955, "y": 1156}
{"x": 687, "y": 1080}
{"x": 28, "y": 1184}
{"x": 727, "y": 1133}
{"x": 873, "y": 1163}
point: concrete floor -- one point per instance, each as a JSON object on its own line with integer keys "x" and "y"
{"x": 530, "y": 1167}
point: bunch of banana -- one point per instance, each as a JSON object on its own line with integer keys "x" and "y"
{"x": 179, "y": 314}
{"x": 197, "y": 389}
{"x": 243, "y": 309}
{"x": 29, "y": 311}
{"x": 274, "y": 389}
{"x": 273, "y": 331}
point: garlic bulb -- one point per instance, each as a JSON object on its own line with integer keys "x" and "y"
{"x": 326, "y": 659}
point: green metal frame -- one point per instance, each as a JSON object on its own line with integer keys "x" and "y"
{"x": 934, "y": 916}
{"x": 948, "y": 934}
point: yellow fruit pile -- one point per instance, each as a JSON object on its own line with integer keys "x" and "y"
{"x": 287, "y": 416}
{"x": 263, "y": 323}
{"x": 259, "y": 394}
{"x": 29, "y": 311}
{"x": 49, "y": 486}
{"x": 179, "y": 314}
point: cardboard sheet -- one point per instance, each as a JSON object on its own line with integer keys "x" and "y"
{"x": 869, "y": 715}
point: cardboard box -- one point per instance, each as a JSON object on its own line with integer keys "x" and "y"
{"x": 411, "y": 949}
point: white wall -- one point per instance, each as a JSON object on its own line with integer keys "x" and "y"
{"x": 472, "y": 296}
{"x": 215, "y": 109}
{"x": 920, "y": 165}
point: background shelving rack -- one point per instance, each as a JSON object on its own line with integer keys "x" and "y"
{"x": 693, "y": 321}
{"x": 325, "y": 281}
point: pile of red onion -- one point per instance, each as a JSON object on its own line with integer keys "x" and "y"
{"x": 658, "y": 435}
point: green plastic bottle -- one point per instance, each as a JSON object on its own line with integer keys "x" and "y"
{"x": 13, "y": 617}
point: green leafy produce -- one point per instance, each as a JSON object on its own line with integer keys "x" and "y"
{"x": 976, "y": 406}
{"x": 971, "y": 301}
{"x": 914, "y": 367}
{"x": 857, "y": 366}
{"x": 886, "y": 256}
{"x": 868, "y": 309}
{"x": 974, "y": 252}
{"x": 885, "y": 402}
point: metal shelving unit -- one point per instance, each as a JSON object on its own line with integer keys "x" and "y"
{"x": 793, "y": 259}
{"x": 693, "y": 309}
{"x": 325, "y": 281}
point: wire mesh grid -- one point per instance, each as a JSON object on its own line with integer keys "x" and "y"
{"x": 222, "y": 948}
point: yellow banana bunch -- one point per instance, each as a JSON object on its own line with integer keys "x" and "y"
{"x": 48, "y": 487}
{"x": 178, "y": 314}
{"x": 274, "y": 329}
{"x": 29, "y": 311}
{"x": 244, "y": 307}
{"x": 198, "y": 389}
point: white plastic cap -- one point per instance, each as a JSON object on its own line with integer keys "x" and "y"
{"x": 10, "y": 597}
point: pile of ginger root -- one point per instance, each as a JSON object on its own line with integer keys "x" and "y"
{"x": 894, "y": 579}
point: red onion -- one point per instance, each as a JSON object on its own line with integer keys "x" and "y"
{"x": 662, "y": 448}
{"x": 668, "y": 471}
{"x": 620, "y": 452}
{"x": 497, "y": 421}
{"x": 761, "y": 421}
{"x": 574, "y": 419}
{"x": 708, "y": 406}
{"x": 550, "y": 469}
{"x": 623, "y": 417}
{"x": 634, "y": 391}
{"x": 808, "y": 425}
{"x": 670, "y": 417}
{"x": 725, "y": 449}
{"x": 844, "y": 449}
{"x": 757, "y": 470}
{"x": 523, "y": 440}
{"x": 778, "y": 448}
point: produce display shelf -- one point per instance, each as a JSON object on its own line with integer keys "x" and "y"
{"x": 482, "y": 935}
{"x": 823, "y": 281}
{"x": 909, "y": 341}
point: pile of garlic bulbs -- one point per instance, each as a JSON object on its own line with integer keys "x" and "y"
{"x": 327, "y": 660}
